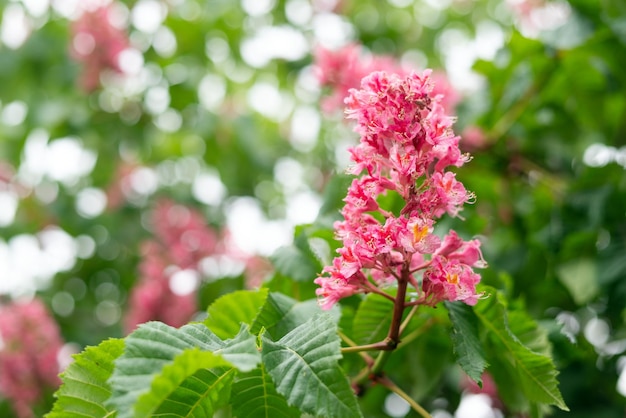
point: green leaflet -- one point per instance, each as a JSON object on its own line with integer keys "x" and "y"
{"x": 196, "y": 384}
{"x": 469, "y": 351}
{"x": 292, "y": 262}
{"x": 154, "y": 346}
{"x": 281, "y": 314}
{"x": 254, "y": 396}
{"x": 85, "y": 388}
{"x": 304, "y": 366}
{"x": 228, "y": 312}
{"x": 536, "y": 372}
{"x": 372, "y": 319}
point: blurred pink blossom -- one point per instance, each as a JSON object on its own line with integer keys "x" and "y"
{"x": 182, "y": 239}
{"x": 342, "y": 69}
{"x": 97, "y": 44}
{"x": 489, "y": 388}
{"x": 30, "y": 344}
{"x": 473, "y": 137}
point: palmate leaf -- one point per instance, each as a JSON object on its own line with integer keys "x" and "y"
{"x": 372, "y": 319}
{"x": 536, "y": 372}
{"x": 85, "y": 388}
{"x": 254, "y": 396}
{"x": 155, "y": 345}
{"x": 195, "y": 384}
{"x": 304, "y": 365}
{"x": 467, "y": 346}
{"x": 229, "y": 311}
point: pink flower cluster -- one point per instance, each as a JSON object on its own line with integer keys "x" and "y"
{"x": 341, "y": 70}
{"x": 30, "y": 342}
{"x": 97, "y": 43}
{"x": 182, "y": 240}
{"x": 406, "y": 145}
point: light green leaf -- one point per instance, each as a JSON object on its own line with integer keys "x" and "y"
{"x": 533, "y": 336}
{"x": 196, "y": 384}
{"x": 85, "y": 388}
{"x": 304, "y": 365}
{"x": 580, "y": 277}
{"x": 254, "y": 396}
{"x": 155, "y": 345}
{"x": 372, "y": 319}
{"x": 292, "y": 262}
{"x": 467, "y": 346}
{"x": 229, "y": 311}
{"x": 536, "y": 372}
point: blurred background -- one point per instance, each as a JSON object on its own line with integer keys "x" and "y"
{"x": 156, "y": 154}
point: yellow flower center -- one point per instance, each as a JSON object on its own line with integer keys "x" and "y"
{"x": 419, "y": 232}
{"x": 452, "y": 278}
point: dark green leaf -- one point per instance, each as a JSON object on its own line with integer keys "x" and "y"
{"x": 304, "y": 366}
{"x": 281, "y": 314}
{"x": 469, "y": 351}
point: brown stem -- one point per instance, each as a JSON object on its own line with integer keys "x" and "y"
{"x": 393, "y": 338}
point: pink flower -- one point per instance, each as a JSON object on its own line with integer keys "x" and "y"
{"x": 406, "y": 145}
{"x": 31, "y": 342}
{"x": 449, "y": 279}
{"x": 340, "y": 70}
{"x": 337, "y": 286}
{"x": 97, "y": 43}
{"x": 445, "y": 195}
{"x": 467, "y": 252}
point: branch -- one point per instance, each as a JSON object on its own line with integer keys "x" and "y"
{"x": 386, "y": 382}
{"x": 369, "y": 360}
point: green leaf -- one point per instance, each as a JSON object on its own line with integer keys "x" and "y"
{"x": 281, "y": 314}
{"x": 467, "y": 346}
{"x": 580, "y": 277}
{"x": 155, "y": 345}
{"x": 304, "y": 365}
{"x": 292, "y": 262}
{"x": 255, "y": 396}
{"x": 228, "y": 312}
{"x": 524, "y": 327}
{"x": 85, "y": 388}
{"x": 372, "y": 319}
{"x": 196, "y": 384}
{"x": 536, "y": 372}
